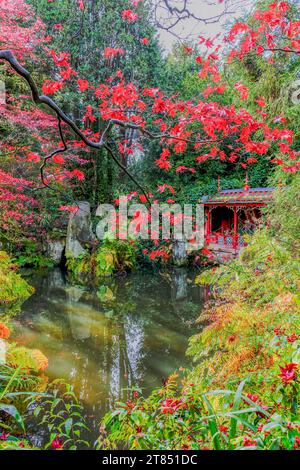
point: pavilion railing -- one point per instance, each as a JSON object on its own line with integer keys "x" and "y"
{"x": 226, "y": 240}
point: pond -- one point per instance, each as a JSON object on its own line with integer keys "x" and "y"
{"x": 133, "y": 330}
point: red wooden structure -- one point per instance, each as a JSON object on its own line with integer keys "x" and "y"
{"x": 231, "y": 214}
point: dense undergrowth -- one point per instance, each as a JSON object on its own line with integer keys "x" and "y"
{"x": 243, "y": 391}
{"x": 111, "y": 257}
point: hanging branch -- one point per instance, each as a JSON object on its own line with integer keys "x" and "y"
{"x": 38, "y": 99}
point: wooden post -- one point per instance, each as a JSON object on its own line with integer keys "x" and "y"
{"x": 207, "y": 223}
{"x": 235, "y": 228}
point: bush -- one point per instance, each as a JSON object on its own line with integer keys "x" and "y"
{"x": 13, "y": 289}
{"x": 243, "y": 390}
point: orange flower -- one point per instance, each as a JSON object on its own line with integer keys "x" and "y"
{"x": 4, "y": 331}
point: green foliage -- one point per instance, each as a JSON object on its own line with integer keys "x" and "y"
{"x": 13, "y": 289}
{"x": 113, "y": 256}
{"x": 62, "y": 416}
{"x": 16, "y": 388}
{"x": 182, "y": 416}
{"x": 243, "y": 391}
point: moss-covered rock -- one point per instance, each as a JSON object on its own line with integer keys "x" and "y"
{"x": 112, "y": 257}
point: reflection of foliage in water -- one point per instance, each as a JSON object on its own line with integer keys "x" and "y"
{"x": 131, "y": 331}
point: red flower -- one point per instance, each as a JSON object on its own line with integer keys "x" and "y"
{"x": 247, "y": 442}
{"x": 288, "y": 373}
{"x": 129, "y": 15}
{"x": 112, "y": 52}
{"x": 80, "y": 4}
{"x": 77, "y": 174}
{"x": 83, "y": 84}
{"x": 293, "y": 337}
{"x": 182, "y": 168}
{"x": 161, "y": 189}
{"x": 223, "y": 428}
{"x": 49, "y": 87}
{"x": 170, "y": 405}
{"x": 58, "y": 159}
{"x": 145, "y": 41}
{"x": 163, "y": 164}
{"x": 232, "y": 339}
{"x": 205, "y": 251}
{"x": 185, "y": 447}
{"x": 56, "y": 443}
{"x": 297, "y": 442}
{"x": 71, "y": 209}
{"x": 279, "y": 331}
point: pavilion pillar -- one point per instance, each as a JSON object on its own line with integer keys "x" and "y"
{"x": 208, "y": 223}
{"x": 235, "y": 220}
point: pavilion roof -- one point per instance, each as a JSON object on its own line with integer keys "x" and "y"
{"x": 241, "y": 196}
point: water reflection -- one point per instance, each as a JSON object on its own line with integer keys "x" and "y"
{"x": 133, "y": 330}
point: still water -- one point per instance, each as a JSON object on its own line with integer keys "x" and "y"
{"x": 133, "y": 330}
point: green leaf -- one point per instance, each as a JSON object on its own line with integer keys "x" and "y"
{"x": 236, "y": 404}
{"x": 12, "y": 411}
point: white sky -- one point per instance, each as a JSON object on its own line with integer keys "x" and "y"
{"x": 204, "y": 9}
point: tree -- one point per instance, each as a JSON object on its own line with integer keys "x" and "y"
{"x": 229, "y": 133}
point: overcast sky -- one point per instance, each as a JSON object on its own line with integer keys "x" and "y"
{"x": 203, "y": 9}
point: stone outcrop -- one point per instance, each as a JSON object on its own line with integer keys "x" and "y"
{"x": 55, "y": 250}
{"x": 179, "y": 252}
{"x": 79, "y": 233}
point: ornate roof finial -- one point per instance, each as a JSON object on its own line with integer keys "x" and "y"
{"x": 246, "y": 187}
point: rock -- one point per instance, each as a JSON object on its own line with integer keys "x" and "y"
{"x": 79, "y": 231}
{"x": 179, "y": 284}
{"x": 55, "y": 250}
{"x": 179, "y": 252}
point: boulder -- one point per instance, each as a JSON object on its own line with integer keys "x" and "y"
{"x": 79, "y": 232}
{"x": 55, "y": 250}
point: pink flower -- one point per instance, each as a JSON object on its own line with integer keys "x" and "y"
{"x": 288, "y": 373}
{"x": 56, "y": 443}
